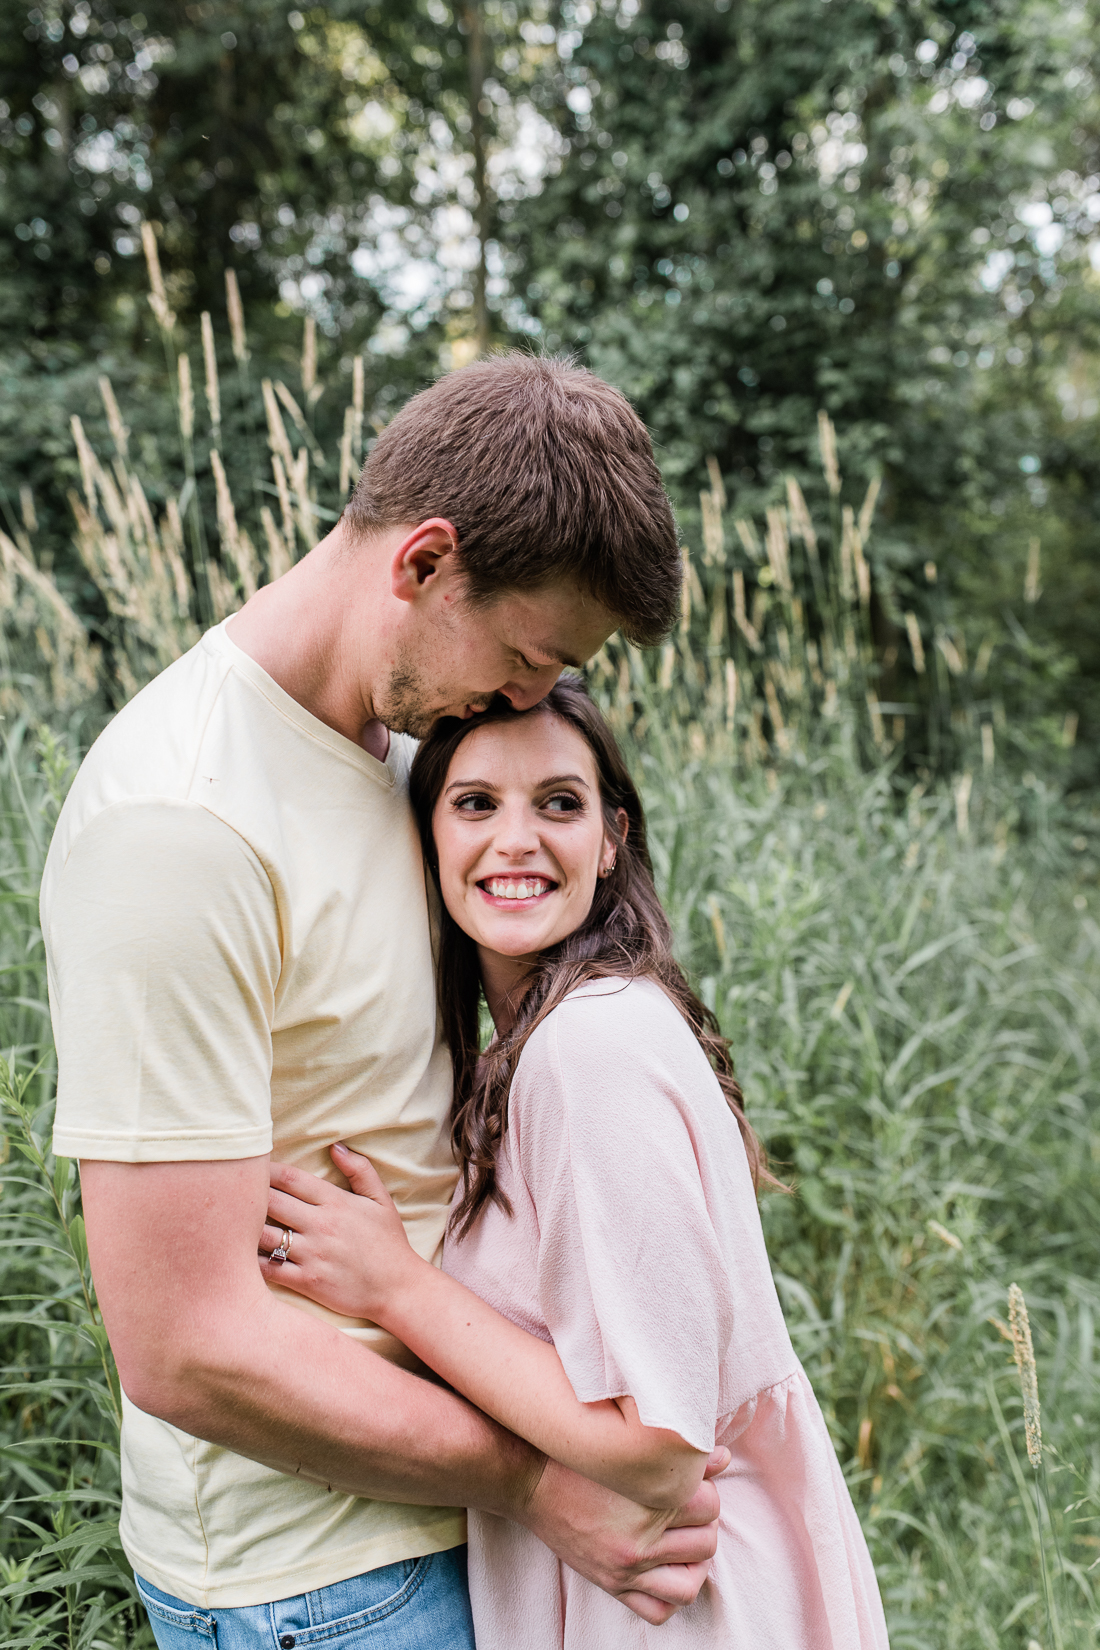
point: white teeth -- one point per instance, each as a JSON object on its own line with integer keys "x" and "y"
{"x": 501, "y": 888}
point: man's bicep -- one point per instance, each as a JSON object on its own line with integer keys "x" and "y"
{"x": 163, "y": 941}
{"x": 173, "y": 1254}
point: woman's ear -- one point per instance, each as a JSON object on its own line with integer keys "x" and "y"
{"x": 610, "y": 847}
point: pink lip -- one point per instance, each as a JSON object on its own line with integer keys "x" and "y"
{"x": 499, "y": 903}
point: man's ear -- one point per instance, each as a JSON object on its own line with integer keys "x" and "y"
{"x": 429, "y": 551}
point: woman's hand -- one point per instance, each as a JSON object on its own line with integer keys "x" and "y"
{"x": 348, "y": 1250}
{"x": 350, "y": 1253}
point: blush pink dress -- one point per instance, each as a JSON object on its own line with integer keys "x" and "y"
{"x": 636, "y": 1248}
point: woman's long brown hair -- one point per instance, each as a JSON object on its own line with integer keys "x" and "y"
{"x": 626, "y": 935}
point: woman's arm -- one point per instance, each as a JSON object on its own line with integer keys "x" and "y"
{"x": 350, "y": 1253}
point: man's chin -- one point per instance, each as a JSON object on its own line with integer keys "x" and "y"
{"x": 403, "y": 716}
{"x": 416, "y": 723}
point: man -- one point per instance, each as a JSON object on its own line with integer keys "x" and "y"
{"x": 239, "y": 941}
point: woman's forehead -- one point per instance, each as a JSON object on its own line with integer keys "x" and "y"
{"x": 521, "y": 747}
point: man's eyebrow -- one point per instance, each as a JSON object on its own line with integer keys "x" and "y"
{"x": 557, "y": 658}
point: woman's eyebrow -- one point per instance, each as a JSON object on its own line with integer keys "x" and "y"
{"x": 543, "y": 784}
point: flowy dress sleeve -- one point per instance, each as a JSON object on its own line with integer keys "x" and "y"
{"x": 625, "y": 1141}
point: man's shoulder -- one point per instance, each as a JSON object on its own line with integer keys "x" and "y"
{"x": 151, "y": 746}
{"x": 147, "y": 753}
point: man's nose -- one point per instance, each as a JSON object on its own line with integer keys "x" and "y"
{"x": 522, "y": 695}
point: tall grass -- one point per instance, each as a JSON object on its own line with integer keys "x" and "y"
{"x": 901, "y": 941}
{"x": 63, "y": 1577}
{"x": 916, "y": 1022}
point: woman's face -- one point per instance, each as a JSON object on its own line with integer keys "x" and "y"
{"x": 520, "y": 835}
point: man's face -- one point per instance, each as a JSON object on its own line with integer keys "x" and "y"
{"x": 464, "y": 655}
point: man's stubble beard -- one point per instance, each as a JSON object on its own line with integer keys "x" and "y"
{"x": 403, "y": 706}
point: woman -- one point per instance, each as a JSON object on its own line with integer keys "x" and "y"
{"x": 605, "y": 1290}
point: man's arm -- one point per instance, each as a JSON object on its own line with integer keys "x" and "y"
{"x": 201, "y": 1342}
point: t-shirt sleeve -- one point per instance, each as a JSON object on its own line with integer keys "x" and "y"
{"x": 162, "y": 938}
{"x": 632, "y": 1279}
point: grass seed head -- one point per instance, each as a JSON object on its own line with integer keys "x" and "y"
{"x": 210, "y": 364}
{"x": 158, "y": 297}
{"x": 826, "y": 439}
{"x": 1024, "y": 1356}
{"x": 309, "y": 354}
{"x": 235, "y": 310}
{"x": 186, "y": 399}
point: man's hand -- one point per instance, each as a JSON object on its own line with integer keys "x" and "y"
{"x": 653, "y": 1562}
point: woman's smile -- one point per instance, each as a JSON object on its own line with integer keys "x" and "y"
{"x": 509, "y": 893}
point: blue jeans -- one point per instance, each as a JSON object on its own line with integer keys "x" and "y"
{"x": 419, "y": 1604}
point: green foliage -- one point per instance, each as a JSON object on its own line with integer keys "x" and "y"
{"x": 745, "y": 212}
{"x": 879, "y": 209}
{"x": 64, "y": 1581}
{"x": 811, "y": 192}
{"x": 240, "y": 132}
{"x": 226, "y": 123}
{"x": 915, "y": 1016}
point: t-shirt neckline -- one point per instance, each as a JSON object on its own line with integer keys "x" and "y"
{"x": 384, "y": 773}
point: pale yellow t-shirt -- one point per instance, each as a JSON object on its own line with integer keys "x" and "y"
{"x": 239, "y": 942}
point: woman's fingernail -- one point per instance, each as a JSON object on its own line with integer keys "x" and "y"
{"x": 340, "y": 1147}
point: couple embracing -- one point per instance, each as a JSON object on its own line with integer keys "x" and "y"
{"x": 423, "y": 1344}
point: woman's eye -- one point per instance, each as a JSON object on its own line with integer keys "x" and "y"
{"x": 564, "y": 803}
{"x": 476, "y": 803}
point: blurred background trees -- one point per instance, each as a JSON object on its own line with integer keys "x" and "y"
{"x": 740, "y": 212}
{"x": 845, "y": 257}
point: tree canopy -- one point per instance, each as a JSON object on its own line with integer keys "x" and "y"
{"x": 741, "y": 212}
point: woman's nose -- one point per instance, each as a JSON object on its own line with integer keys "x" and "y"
{"x": 516, "y": 835}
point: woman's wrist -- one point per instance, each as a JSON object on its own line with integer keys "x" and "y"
{"x": 397, "y": 1306}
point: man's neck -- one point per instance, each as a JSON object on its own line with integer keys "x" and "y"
{"x": 307, "y": 632}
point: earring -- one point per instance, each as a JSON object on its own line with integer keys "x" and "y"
{"x": 607, "y": 872}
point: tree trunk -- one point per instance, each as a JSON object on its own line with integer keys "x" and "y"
{"x": 475, "y": 57}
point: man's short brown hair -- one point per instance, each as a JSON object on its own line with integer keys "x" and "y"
{"x": 548, "y": 476}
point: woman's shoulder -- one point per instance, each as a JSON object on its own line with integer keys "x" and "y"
{"x": 617, "y": 1029}
{"x": 614, "y": 1012}
{"x": 613, "y": 1088}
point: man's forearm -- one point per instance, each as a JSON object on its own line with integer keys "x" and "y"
{"x": 202, "y": 1342}
{"x": 286, "y": 1389}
